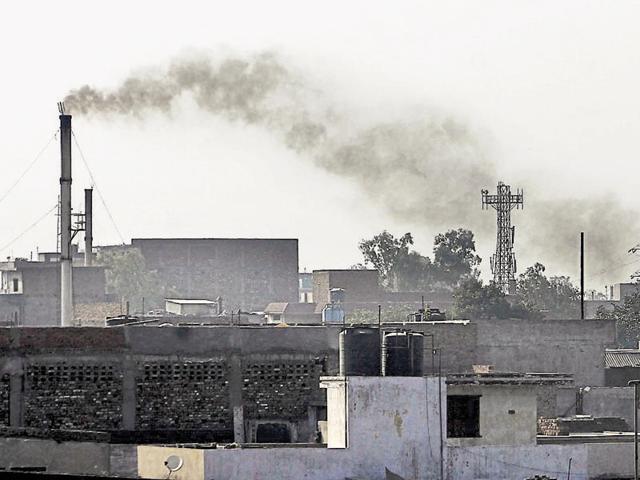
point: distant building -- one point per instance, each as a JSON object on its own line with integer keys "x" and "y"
{"x": 292, "y": 313}
{"x": 305, "y": 287}
{"x": 247, "y": 273}
{"x": 615, "y": 295}
{"x": 30, "y": 291}
{"x": 191, "y": 307}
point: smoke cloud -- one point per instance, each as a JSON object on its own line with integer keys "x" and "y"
{"x": 428, "y": 171}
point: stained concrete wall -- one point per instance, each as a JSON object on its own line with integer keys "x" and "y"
{"x": 497, "y": 425}
{"x": 609, "y": 402}
{"x": 82, "y": 458}
{"x": 519, "y": 462}
{"x": 246, "y": 273}
{"x": 564, "y": 346}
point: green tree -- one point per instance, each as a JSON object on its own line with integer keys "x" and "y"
{"x": 554, "y": 297}
{"x": 386, "y": 253}
{"x": 454, "y": 256}
{"x": 129, "y": 278}
{"x": 627, "y": 317}
{"x": 473, "y": 299}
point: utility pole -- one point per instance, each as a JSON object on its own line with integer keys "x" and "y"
{"x": 88, "y": 227}
{"x": 66, "y": 282}
{"x": 635, "y": 427}
{"x": 503, "y": 262}
{"x": 582, "y": 275}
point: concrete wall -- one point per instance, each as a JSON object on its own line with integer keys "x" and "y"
{"x": 359, "y": 285}
{"x": 176, "y": 378}
{"x": 510, "y": 463}
{"x": 497, "y": 425}
{"x": 609, "y": 402}
{"x": 151, "y": 463}
{"x": 246, "y": 273}
{"x": 82, "y": 458}
{"x": 564, "y": 346}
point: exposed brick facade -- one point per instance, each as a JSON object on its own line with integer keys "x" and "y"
{"x": 4, "y": 400}
{"x": 279, "y": 389}
{"x": 73, "y": 395}
{"x": 183, "y": 396}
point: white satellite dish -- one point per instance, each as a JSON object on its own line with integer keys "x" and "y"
{"x": 173, "y": 463}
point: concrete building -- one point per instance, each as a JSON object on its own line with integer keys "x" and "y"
{"x": 247, "y": 273}
{"x": 205, "y": 308}
{"x": 30, "y": 292}
{"x": 305, "y": 287}
{"x": 615, "y": 295}
{"x": 292, "y": 314}
{"x": 399, "y": 426}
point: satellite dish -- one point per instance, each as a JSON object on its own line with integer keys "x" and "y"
{"x": 174, "y": 463}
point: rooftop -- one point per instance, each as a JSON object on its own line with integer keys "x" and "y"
{"x": 621, "y": 358}
{"x": 189, "y": 301}
{"x": 509, "y": 378}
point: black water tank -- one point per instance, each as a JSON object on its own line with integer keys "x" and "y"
{"x": 403, "y": 354}
{"x": 360, "y": 351}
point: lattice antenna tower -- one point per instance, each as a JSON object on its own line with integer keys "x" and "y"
{"x": 503, "y": 262}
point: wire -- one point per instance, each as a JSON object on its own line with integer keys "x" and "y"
{"x": 29, "y": 167}
{"x": 21, "y": 234}
{"x": 95, "y": 185}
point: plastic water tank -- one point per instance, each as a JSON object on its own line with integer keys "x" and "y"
{"x": 403, "y": 354}
{"x": 360, "y": 351}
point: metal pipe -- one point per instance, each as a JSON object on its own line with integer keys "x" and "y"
{"x": 582, "y": 275}
{"x": 66, "y": 283}
{"x": 88, "y": 227}
{"x": 635, "y": 426}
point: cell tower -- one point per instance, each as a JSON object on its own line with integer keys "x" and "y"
{"x": 503, "y": 262}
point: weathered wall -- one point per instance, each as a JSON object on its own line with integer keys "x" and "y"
{"x": 564, "y": 346}
{"x": 149, "y": 378}
{"x": 497, "y": 425}
{"x": 41, "y": 290}
{"x": 509, "y": 463}
{"x": 246, "y": 273}
{"x": 359, "y": 285}
{"x": 80, "y": 458}
{"x": 609, "y": 402}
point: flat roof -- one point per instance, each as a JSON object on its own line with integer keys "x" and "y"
{"x": 189, "y": 301}
{"x": 508, "y": 378}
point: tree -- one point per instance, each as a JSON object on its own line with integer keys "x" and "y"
{"x": 386, "y": 253}
{"x": 454, "y": 256}
{"x": 627, "y": 317}
{"x": 554, "y": 297}
{"x": 473, "y": 299}
{"x": 404, "y": 269}
{"x": 128, "y": 277}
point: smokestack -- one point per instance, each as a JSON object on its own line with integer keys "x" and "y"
{"x": 66, "y": 284}
{"x": 88, "y": 227}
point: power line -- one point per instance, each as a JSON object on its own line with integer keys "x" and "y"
{"x": 29, "y": 167}
{"x": 94, "y": 184}
{"x": 21, "y": 234}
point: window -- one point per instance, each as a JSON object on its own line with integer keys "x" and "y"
{"x": 273, "y": 433}
{"x": 463, "y": 416}
{"x": 16, "y": 285}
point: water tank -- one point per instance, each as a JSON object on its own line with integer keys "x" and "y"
{"x": 403, "y": 354}
{"x": 336, "y": 295}
{"x": 360, "y": 351}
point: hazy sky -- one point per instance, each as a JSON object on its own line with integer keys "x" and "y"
{"x": 550, "y": 89}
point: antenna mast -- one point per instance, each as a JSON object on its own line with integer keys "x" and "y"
{"x": 503, "y": 262}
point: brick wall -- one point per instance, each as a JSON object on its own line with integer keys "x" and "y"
{"x": 4, "y": 400}
{"x": 279, "y": 389}
{"x": 73, "y": 395}
{"x": 183, "y": 396}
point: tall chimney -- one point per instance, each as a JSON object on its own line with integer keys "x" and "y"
{"x": 66, "y": 284}
{"x": 88, "y": 227}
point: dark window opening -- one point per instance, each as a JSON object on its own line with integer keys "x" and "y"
{"x": 463, "y": 416}
{"x": 273, "y": 433}
{"x": 16, "y": 284}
